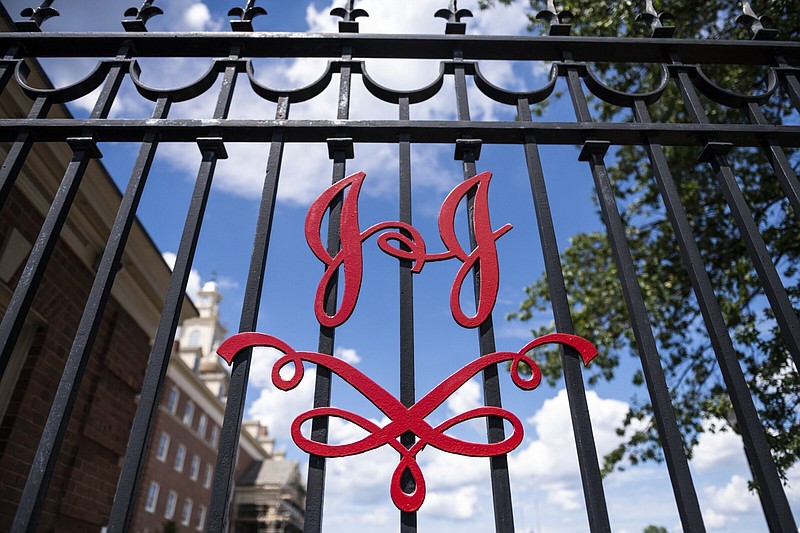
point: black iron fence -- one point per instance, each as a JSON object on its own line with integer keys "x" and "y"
{"x": 680, "y": 62}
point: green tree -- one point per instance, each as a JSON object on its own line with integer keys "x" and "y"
{"x": 599, "y": 312}
{"x": 655, "y": 529}
{"x": 170, "y": 527}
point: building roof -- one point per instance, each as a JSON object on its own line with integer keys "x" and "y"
{"x": 271, "y": 472}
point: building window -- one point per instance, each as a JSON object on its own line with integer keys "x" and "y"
{"x": 214, "y": 436}
{"x": 201, "y": 518}
{"x": 202, "y": 423}
{"x": 163, "y": 447}
{"x": 209, "y": 475}
{"x": 194, "y": 469}
{"x": 188, "y": 413}
{"x": 172, "y": 502}
{"x": 180, "y": 457}
{"x": 152, "y": 497}
{"x": 172, "y": 400}
{"x": 194, "y": 338}
{"x": 186, "y": 512}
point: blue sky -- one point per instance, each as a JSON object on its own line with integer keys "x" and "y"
{"x": 545, "y": 475}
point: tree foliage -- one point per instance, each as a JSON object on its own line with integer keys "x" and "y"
{"x": 599, "y": 313}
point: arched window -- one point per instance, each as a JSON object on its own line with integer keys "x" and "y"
{"x": 194, "y": 338}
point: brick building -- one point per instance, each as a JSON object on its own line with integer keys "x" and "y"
{"x": 269, "y": 498}
{"x": 80, "y": 495}
{"x": 176, "y": 485}
{"x": 85, "y": 477}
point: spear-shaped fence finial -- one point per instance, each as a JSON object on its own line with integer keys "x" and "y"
{"x": 140, "y": 16}
{"x": 36, "y": 16}
{"x": 246, "y": 15}
{"x": 348, "y": 15}
{"x": 757, "y": 25}
{"x": 558, "y": 21}
{"x": 659, "y": 22}
{"x": 453, "y": 16}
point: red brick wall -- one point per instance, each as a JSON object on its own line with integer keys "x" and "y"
{"x": 165, "y": 474}
{"x": 82, "y": 489}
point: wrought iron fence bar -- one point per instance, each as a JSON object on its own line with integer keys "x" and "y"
{"x": 211, "y": 149}
{"x": 218, "y": 519}
{"x": 389, "y": 131}
{"x": 27, "y": 515}
{"x": 669, "y": 434}
{"x": 36, "y": 17}
{"x": 12, "y": 53}
{"x": 8, "y": 65}
{"x": 582, "y": 114}
{"x": 792, "y": 87}
{"x": 785, "y": 314}
{"x": 746, "y": 415}
{"x": 591, "y": 479}
{"x": 287, "y": 44}
{"x": 340, "y": 149}
{"x": 109, "y": 264}
{"x": 780, "y": 164}
{"x": 701, "y": 284}
{"x": 501, "y": 484}
{"x": 715, "y": 153}
{"x": 84, "y": 149}
{"x": 6, "y": 73}
{"x": 315, "y": 484}
{"x": 18, "y": 153}
{"x": 773, "y": 498}
{"x": 788, "y": 79}
{"x": 408, "y": 521}
{"x": 468, "y": 151}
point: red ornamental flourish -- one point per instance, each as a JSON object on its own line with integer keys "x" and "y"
{"x": 404, "y": 419}
{"x": 349, "y": 257}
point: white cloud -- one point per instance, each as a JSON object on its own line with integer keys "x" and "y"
{"x": 197, "y": 16}
{"x": 194, "y": 284}
{"x": 186, "y": 15}
{"x": 729, "y": 503}
{"x": 515, "y": 330}
{"x": 361, "y": 484}
{"x": 467, "y": 397}
{"x": 261, "y": 366}
{"x": 273, "y": 407}
{"x": 734, "y": 497}
{"x": 715, "y": 520}
{"x": 226, "y": 283}
{"x": 348, "y": 355}
{"x": 445, "y": 471}
{"x": 718, "y": 447}
{"x": 559, "y": 495}
{"x": 457, "y": 504}
{"x": 552, "y": 456}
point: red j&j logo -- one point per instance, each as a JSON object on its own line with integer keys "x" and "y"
{"x": 352, "y": 238}
{"x": 410, "y": 246}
